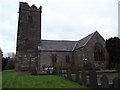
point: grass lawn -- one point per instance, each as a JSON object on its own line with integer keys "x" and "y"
{"x": 10, "y": 80}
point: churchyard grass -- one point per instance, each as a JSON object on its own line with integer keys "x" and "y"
{"x": 10, "y": 80}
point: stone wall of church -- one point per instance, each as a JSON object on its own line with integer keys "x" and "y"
{"x": 46, "y": 59}
{"x": 89, "y": 49}
{"x": 87, "y": 52}
{"x": 28, "y": 34}
{"x": 78, "y": 56}
{"x": 29, "y": 28}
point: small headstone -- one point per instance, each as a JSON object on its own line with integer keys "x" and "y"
{"x": 116, "y": 83}
{"x": 54, "y": 71}
{"x": 84, "y": 78}
{"x": 48, "y": 71}
{"x": 69, "y": 75}
{"x": 77, "y": 76}
{"x": 93, "y": 78}
{"x": 60, "y": 73}
{"x": 104, "y": 81}
{"x": 33, "y": 71}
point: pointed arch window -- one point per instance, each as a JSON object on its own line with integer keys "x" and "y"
{"x": 54, "y": 58}
{"x": 99, "y": 52}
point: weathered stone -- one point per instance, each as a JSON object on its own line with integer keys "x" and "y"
{"x": 116, "y": 83}
{"x": 48, "y": 71}
{"x": 93, "y": 78}
{"x": 104, "y": 81}
{"x": 29, "y": 32}
{"x": 33, "y": 71}
{"x": 30, "y": 45}
{"x": 69, "y": 74}
{"x": 54, "y": 71}
{"x": 84, "y": 78}
{"x": 77, "y": 77}
{"x": 60, "y": 72}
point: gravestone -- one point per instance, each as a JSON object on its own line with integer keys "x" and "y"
{"x": 60, "y": 72}
{"x": 69, "y": 74}
{"x": 77, "y": 76}
{"x": 104, "y": 81}
{"x": 93, "y": 78}
{"x": 116, "y": 83}
{"x": 84, "y": 78}
{"x": 55, "y": 71}
{"x": 48, "y": 71}
{"x": 33, "y": 72}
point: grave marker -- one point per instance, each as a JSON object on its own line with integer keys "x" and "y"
{"x": 116, "y": 82}
{"x": 93, "y": 78}
{"x": 104, "y": 81}
{"x": 84, "y": 78}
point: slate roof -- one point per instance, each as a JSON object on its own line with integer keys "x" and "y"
{"x": 83, "y": 42}
{"x": 57, "y": 45}
{"x": 62, "y": 45}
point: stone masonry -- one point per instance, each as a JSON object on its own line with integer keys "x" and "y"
{"x": 34, "y": 53}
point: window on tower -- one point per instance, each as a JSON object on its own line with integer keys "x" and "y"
{"x": 29, "y": 19}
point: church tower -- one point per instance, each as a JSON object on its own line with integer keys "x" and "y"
{"x": 29, "y": 32}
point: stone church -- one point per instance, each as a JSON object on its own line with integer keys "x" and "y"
{"x": 34, "y": 53}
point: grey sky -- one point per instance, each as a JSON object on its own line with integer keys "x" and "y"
{"x": 61, "y": 19}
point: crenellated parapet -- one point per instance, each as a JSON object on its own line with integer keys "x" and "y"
{"x": 25, "y": 6}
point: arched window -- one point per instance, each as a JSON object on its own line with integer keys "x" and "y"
{"x": 99, "y": 52}
{"x": 67, "y": 59}
{"x": 54, "y": 58}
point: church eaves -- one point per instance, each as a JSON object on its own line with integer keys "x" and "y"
{"x": 62, "y": 45}
{"x": 83, "y": 42}
{"x": 57, "y": 45}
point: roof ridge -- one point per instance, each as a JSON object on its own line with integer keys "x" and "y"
{"x": 59, "y": 40}
{"x": 75, "y": 46}
{"x": 90, "y": 37}
{"x": 84, "y": 40}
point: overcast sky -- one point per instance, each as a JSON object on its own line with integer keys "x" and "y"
{"x": 61, "y": 19}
